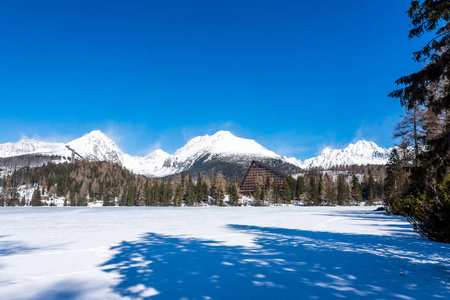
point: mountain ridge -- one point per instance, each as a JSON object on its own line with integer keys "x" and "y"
{"x": 199, "y": 153}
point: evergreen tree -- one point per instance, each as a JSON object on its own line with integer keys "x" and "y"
{"x": 313, "y": 196}
{"x": 327, "y": 195}
{"x": 356, "y": 194}
{"x": 201, "y": 190}
{"x": 168, "y": 194}
{"x": 190, "y": 191}
{"x": 289, "y": 188}
{"x": 123, "y": 197}
{"x": 153, "y": 193}
{"x": 36, "y": 198}
{"x": 371, "y": 188}
{"x": 394, "y": 183}
{"x": 161, "y": 193}
{"x": 430, "y": 87}
{"x": 432, "y": 219}
{"x": 107, "y": 200}
{"x": 2, "y": 199}
{"x": 343, "y": 194}
{"x": 276, "y": 190}
{"x": 131, "y": 195}
{"x": 178, "y": 198}
{"x": 234, "y": 195}
{"x": 72, "y": 198}
{"x": 300, "y": 188}
{"x": 257, "y": 194}
{"x": 213, "y": 191}
{"x": 319, "y": 189}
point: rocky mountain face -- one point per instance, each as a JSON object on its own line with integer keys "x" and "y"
{"x": 221, "y": 151}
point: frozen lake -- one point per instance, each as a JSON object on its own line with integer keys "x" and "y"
{"x": 216, "y": 253}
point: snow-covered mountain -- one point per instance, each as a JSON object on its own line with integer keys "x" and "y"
{"x": 222, "y": 146}
{"x": 97, "y": 146}
{"x": 28, "y": 146}
{"x": 221, "y": 151}
{"x": 360, "y": 153}
{"x": 149, "y": 165}
{"x": 93, "y": 146}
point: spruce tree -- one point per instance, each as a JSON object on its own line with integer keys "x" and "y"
{"x": 213, "y": 191}
{"x": 313, "y": 196}
{"x": 300, "y": 187}
{"x": 371, "y": 190}
{"x": 356, "y": 194}
{"x": 2, "y": 199}
{"x": 430, "y": 87}
{"x": 257, "y": 194}
{"x": 36, "y": 198}
{"x": 131, "y": 195}
{"x": 178, "y": 198}
{"x": 342, "y": 190}
{"x": 276, "y": 190}
{"x": 234, "y": 195}
{"x": 190, "y": 191}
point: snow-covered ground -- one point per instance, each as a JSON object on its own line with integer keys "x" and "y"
{"x": 216, "y": 253}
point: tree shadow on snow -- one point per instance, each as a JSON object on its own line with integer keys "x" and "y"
{"x": 392, "y": 224}
{"x": 66, "y": 289}
{"x": 13, "y": 247}
{"x": 285, "y": 264}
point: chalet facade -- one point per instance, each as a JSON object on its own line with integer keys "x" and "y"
{"x": 255, "y": 171}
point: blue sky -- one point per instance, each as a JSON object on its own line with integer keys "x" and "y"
{"x": 296, "y": 76}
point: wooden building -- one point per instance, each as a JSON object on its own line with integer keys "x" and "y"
{"x": 256, "y": 170}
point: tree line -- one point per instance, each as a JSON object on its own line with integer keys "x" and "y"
{"x": 82, "y": 182}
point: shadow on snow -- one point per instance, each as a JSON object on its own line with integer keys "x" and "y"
{"x": 14, "y": 247}
{"x": 285, "y": 264}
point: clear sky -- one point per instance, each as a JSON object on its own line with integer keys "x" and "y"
{"x": 296, "y": 76}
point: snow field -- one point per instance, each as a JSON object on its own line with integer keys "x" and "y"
{"x": 285, "y": 252}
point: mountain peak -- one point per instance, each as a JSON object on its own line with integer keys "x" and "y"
{"x": 96, "y": 145}
{"x": 361, "y": 152}
{"x": 223, "y": 133}
{"x": 97, "y": 134}
{"x": 158, "y": 153}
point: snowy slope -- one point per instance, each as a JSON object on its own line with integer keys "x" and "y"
{"x": 360, "y": 153}
{"x": 148, "y": 165}
{"x": 28, "y": 146}
{"x": 294, "y": 161}
{"x": 223, "y": 146}
{"x": 97, "y": 146}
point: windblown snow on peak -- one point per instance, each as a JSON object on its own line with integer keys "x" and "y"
{"x": 361, "y": 153}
